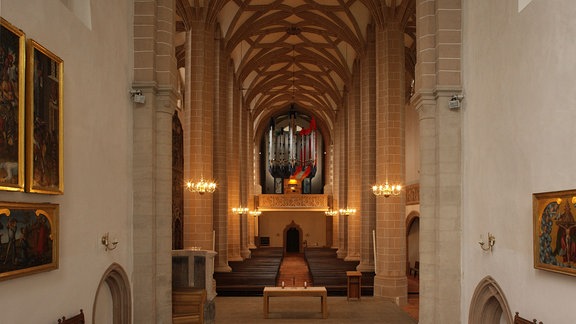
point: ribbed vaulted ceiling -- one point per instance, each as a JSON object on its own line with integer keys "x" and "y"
{"x": 300, "y": 51}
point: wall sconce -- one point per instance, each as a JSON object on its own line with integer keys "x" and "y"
{"x": 255, "y": 212}
{"x": 491, "y": 242}
{"x": 109, "y": 245}
{"x": 240, "y": 211}
{"x": 347, "y": 211}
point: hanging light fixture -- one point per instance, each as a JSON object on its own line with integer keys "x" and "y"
{"x": 331, "y": 212}
{"x": 347, "y": 211}
{"x": 386, "y": 190}
{"x": 240, "y": 211}
{"x": 255, "y": 212}
{"x": 201, "y": 187}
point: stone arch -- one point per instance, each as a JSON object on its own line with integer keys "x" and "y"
{"x": 116, "y": 280}
{"x": 412, "y": 217}
{"x": 489, "y": 304}
{"x": 293, "y": 226}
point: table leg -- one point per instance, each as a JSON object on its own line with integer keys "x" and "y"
{"x": 324, "y": 306}
{"x": 265, "y": 305}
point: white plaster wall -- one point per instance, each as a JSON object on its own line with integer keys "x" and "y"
{"x": 313, "y": 225}
{"x": 97, "y": 156}
{"x": 518, "y": 139}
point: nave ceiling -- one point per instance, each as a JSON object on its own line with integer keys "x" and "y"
{"x": 299, "y": 52}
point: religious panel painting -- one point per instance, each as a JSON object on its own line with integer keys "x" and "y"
{"x": 44, "y": 131}
{"x": 555, "y": 231}
{"x": 28, "y": 239}
{"x": 12, "y": 77}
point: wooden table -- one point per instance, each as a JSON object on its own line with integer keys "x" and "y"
{"x": 296, "y": 292}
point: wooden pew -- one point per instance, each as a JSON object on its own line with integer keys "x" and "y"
{"x": 188, "y": 305}
{"x": 249, "y": 277}
{"x": 521, "y": 320}
{"x": 76, "y": 319}
{"x": 330, "y": 272}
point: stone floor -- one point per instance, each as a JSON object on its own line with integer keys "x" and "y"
{"x": 249, "y": 310}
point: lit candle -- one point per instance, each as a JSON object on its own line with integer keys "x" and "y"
{"x": 282, "y": 284}
{"x": 305, "y": 284}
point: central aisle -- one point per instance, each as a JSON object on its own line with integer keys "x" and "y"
{"x": 294, "y": 271}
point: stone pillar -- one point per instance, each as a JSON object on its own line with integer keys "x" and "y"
{"x": 341, "y": 144}
{"x": 198, "y": 126}
{"x": 253, "y": 167}
{"x": 244, "y": 176}
{"x": 390, "y": 280}
{"x": 368, "y": 148}
{"x": 154, "y": 74}
{"x": 222, "y": 103}
{"x": 233, "y": 164}
{"x": 438, "y": 78}
{"x": 354, "y": 172}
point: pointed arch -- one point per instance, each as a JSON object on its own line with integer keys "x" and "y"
{"x": 117, "y": 282}
{"x": 489, "y": 303}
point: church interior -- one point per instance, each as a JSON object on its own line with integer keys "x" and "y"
{"x": 411, "y": 155}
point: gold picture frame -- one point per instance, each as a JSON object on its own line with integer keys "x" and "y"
{"x": 555, "y": 231}
{"x": 28, "y": 238}
{"x": 12, "y": 80}
{"x": 44, "y": 117}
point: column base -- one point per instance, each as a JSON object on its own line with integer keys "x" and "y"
{"x": 394, "y": 289}
{"x": 222, "y": 268}
{"x": 365, "y": 267}
{"x": 352, "y": 258}
{"x": 235, "y": 258}
{"x": 245, "y": 254}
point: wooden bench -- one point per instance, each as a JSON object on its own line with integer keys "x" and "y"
{"x": 296, "y": 292}
{"x": 76, "y": 319}
{"x": 520, "y": 320}
{"x": 188, "y": 305}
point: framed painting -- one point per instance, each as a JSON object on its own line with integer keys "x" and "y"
{"x": 555, "y": 231}
{"x": 12, "y": 77}
{"x": 44, "y": 129}
{"x": 28, "y": 239}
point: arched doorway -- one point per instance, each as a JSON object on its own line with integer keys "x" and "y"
{"x": 489, "y": 304}
{"x": 113, "y": 302}
{"x": 412, "y": 241}
{"x": 293, "y": 238}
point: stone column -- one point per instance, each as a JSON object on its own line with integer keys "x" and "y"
{"x": 154, "y": 74}
{"x": 368, "y": 148}
{"x": 222, "y": 103}
{"x": 390, "y": 281}
{"x": 354, "y": 172}
{"x": 233, "y": 164}
{"x": 438, "y": 78}
{"x": 198, "y": 126}
{"x": 244, "y": 176}
{"x": 341, "y": 144}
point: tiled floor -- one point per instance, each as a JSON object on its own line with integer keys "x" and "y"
{"x": 294, "y": 272}
{"x": 249, "y": 310}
